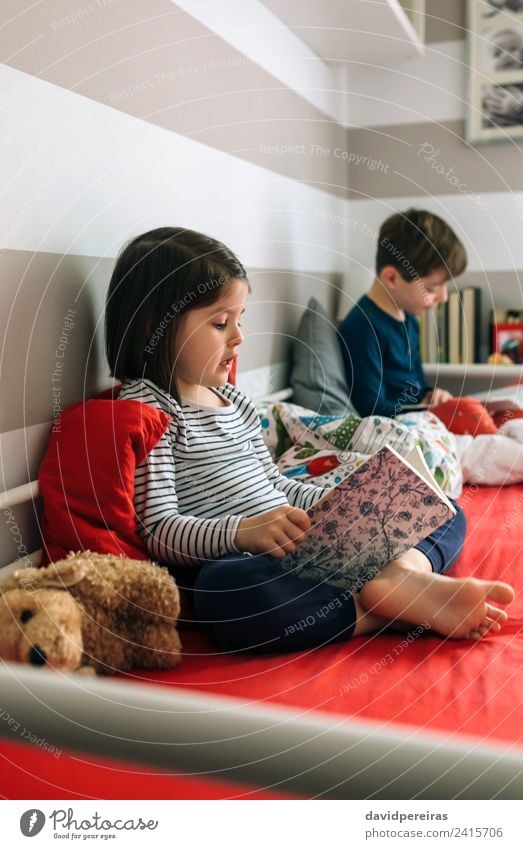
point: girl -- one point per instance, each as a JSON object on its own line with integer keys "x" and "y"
{"x": 208, "y": 497}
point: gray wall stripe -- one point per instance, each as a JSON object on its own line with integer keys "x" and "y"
{"x": 428, "y": 159}
{"x": 52, "y": 327}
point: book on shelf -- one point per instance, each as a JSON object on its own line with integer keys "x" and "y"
{"x": 454, "y": 327}
{"x": 470, "y": 324}
{"x": 382, "y": 509}
{"x": 431, "y": 335}
{"x": 443, "y": 339}
{"x": 432, "y": 342}
{"x": 422, "y": 321}
{"x": 451, "y": 333}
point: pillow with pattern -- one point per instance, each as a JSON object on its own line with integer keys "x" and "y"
{"x": 329, "y": 448}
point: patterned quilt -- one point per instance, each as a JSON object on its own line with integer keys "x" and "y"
{"x": 329, "y": 448}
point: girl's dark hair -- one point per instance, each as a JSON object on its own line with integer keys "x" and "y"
{"x": 416, "y": 243}
{"x": 157, "y": 277}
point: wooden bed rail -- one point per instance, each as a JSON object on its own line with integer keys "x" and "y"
{"x": 13, "y": 498}
{"x": 306, "y": 752}
{"x": 19, "y": 495}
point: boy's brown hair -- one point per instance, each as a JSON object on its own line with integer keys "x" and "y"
{"x": 416, "y": 243}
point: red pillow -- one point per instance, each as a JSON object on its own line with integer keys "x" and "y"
{"x": 465, "y": 415}
{"x": 87, "y": 477}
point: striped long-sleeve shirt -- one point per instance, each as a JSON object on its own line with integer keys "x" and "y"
{"x": 210, "y": 469}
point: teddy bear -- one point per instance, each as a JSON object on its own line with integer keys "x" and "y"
{"x": 95, "y": 613}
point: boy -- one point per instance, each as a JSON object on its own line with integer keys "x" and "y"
{"x": 417, "y": 255}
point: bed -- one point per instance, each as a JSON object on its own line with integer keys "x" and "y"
{"x": 395, "y": 715}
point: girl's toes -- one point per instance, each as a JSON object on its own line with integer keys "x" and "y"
{"x": 488, "y": 626}
{"x": 484, "y": 628}
{"x": 496, "y": 614}
{"x": 501, "y": 592}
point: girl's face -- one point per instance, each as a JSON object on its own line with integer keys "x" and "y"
{"x": 208, "y": 339}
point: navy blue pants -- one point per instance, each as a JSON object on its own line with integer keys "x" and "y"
{"x": 248, "y": 603}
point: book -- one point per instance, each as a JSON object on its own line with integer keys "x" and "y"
{"x": 432, "y": 341}
{"x": 507, "y": 398}
{"x": 422, "y": 321}
{"x": 429, "y": 336}
{"x": 382, "y": 509}
{"x": 423, "y": 341}
{"x": 471, "y": 324}
{"x": 454, "y": 327}
{"x": 443, "y": 341}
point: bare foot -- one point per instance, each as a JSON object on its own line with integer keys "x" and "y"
{"x": 460, "y": 608}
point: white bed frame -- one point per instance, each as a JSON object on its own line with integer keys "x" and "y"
{"x": 299, "y": 750}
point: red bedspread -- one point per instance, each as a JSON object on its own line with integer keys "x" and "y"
{"x": 455, "y": 687}
{"x": 461, "y": 687}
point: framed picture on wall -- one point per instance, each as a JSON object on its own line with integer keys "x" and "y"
{"x": 495, "y": 59}
{"x": 508, "y": 339}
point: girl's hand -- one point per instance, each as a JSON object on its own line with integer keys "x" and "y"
{"x": 276, "y": 532}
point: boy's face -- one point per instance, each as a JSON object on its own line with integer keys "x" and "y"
{"x": 419, "y": 295}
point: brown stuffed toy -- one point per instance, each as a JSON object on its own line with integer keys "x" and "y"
{"x": 91, "y": 612}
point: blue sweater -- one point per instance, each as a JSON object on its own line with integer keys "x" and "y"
{"x": 382, "y": 360}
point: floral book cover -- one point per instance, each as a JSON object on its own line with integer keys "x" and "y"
{"x": 381, "y": 510}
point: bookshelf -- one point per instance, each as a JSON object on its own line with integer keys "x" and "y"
{"x": 459, "y": 332}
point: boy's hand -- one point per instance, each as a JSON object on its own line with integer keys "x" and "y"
{"x": 437, "y": 396}
{"x": 276, "y": 532}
